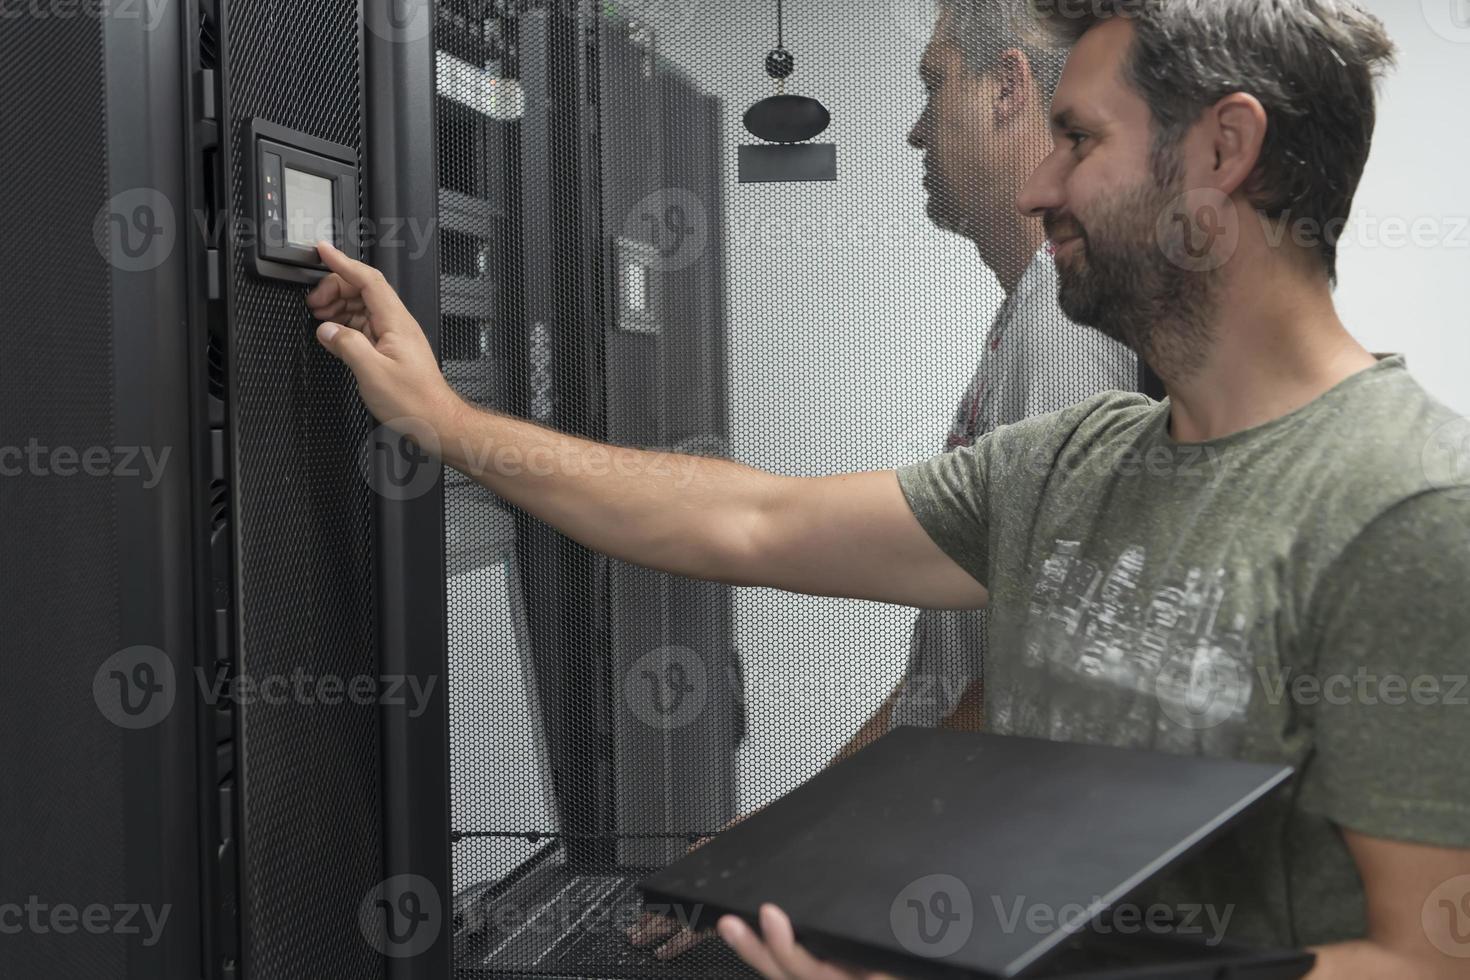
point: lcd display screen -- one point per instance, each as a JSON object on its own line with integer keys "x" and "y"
{"x": 308, "y": 210}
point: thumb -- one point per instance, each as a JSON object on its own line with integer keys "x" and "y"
{"x": 347, "y": 345}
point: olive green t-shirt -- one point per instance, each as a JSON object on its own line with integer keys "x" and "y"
{"x": 1297, "y": 593}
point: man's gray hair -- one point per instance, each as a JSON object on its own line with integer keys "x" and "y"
{"x": 982, "y": 29}
{"x": 1311, "y": 63}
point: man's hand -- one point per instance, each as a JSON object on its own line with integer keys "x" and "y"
{"x": 776, "y": 955}
{"x": 368, "y": 328}
{"x": 653, "y": 927}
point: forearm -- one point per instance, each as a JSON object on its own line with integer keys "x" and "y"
{"x": 853, "y": 535}
{"x": 676, "y": 513}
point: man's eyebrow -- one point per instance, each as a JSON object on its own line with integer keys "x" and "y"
{"x": 1065, "y": 119}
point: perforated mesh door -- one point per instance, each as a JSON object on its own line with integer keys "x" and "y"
{"x": 311, "y": 798}
{"x": 59, "y": 616}
{"x": 608, "y": 274}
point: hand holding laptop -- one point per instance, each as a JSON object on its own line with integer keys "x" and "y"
{"x": 776, "y": 955}
{"x": 653, "y": 927}
{"x": 926, "y": 797}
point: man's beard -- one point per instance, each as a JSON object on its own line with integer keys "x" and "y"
{"x": 1120, "y": 280}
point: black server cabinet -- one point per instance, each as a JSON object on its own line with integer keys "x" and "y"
{"x": 570, "y": 158}
{"x": 100, "y": 860}
{"x": 312, "y": 835}
{"x": 662, "y": 204}
{"x": 203, "y": 510}
{"x": 339, "y": 803}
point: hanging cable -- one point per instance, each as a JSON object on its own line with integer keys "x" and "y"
{"x": 780, "y": 63}
{"x": 783, "y": 118}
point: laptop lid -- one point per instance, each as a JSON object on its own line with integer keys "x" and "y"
{"x": 928, "y": 842}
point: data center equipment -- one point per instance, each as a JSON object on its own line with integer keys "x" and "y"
{"x": 489, "y": 732}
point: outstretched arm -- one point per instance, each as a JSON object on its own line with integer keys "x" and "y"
{"x": 852, "y": 535}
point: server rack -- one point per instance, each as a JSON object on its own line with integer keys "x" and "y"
{"x": 286, "y": 838}
{"x": 275, "y": 839}
{"x": 540, "y": 231}
{"x": 533, "y": 208}
{"x": 338, "y": 806}
{"x": 96, "y": 707}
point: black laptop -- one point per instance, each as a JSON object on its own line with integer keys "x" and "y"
{"x": 949, "y": 854}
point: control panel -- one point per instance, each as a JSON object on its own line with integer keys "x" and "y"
{"x": 305, "y": 191}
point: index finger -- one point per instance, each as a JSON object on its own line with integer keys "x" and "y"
{"x": 376, "y": 293}
{"x": 749, "y": 947}
{"x": 789, "y": 955}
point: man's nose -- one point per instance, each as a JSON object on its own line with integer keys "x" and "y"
{"x": 1041, "y": 193}
{"x": 916, "y": 135}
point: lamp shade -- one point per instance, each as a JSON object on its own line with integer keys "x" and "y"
{"x": 787, "y": 118}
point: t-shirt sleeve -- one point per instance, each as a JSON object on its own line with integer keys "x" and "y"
{"x": 950, "y": 496}
{"x": 1391, "y": 705}
{"x": 960, "y": 497}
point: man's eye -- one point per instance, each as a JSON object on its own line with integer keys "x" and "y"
{"x": 1076, "y": 138}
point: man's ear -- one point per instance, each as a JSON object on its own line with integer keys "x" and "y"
{"x": 1239, "y": 122}
{"x": 1013, "y": 72}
